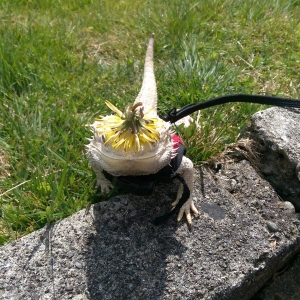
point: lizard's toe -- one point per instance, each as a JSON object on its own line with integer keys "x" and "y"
{"x": 194, "y": 209}
{"x": 174, "y": 203}
{"x": 186, "y": 209}
{"x": 105, "y": 186}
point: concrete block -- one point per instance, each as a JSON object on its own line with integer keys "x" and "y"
{"x": 245, "y": 233}
{"x": 113, "y": 251}
{"x": 277, "y": 132}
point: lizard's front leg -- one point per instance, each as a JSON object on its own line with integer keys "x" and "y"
{"x": 102, "y": 183}
{"x": 187, "y": 171}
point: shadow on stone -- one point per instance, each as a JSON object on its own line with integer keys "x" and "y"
{"x": 127, "y": 255}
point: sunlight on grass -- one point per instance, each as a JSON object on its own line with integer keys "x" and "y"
{"x": 59, "y": 61}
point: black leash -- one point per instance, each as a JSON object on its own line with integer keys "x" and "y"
{"x": 175, "y": 115}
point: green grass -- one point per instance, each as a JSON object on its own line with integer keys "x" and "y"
{"x": 59, "y": 61}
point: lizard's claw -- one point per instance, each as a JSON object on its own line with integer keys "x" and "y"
{"x": 186, "y": 209}
{"x": 104, "y": 185}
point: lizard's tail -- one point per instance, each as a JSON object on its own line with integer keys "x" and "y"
{"x": 148, "y": 92}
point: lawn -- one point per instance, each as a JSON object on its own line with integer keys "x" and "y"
{"x": 59, "y": 61}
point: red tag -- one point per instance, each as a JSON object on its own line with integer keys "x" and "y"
{"x": 176, "y": 139}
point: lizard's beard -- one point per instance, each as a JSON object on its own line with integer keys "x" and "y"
{"x": 148, "y": 160}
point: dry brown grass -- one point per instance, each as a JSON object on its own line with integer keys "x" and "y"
{"x": 4, "y": 165}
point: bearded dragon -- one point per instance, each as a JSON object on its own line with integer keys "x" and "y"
{"x": 137, "y": 142}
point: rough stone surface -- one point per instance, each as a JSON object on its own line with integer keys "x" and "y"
{"x": 284, "y": 284}
{"x": 112, "y": 250}
{"x": 277, "y": 131}
{"x": 245, "y": 234}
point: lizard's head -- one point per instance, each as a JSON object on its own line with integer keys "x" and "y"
{"x": 130, "y": 130}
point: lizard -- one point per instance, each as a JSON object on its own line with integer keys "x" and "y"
{"x": 136, "y": 141}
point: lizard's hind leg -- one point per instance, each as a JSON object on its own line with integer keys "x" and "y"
{"x": 187, "y": 171}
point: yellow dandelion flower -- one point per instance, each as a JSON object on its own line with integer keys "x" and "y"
{"x": 129, "y": 130}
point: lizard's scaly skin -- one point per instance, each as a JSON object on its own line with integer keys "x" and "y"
{"x": 148, "y": 92}
{"x": 148, "y": 160}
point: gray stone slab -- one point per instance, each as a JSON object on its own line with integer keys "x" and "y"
{"x": 277, "y": 132}
{"x": 112, "y": 250}
{"x": 284, "y": 284}
{"x": 245, "y": 234}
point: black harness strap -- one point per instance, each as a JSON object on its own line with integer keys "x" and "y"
{"x": 175, "y": 115}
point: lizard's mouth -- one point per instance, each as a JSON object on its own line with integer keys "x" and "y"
{"x": 130, "y": 130}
